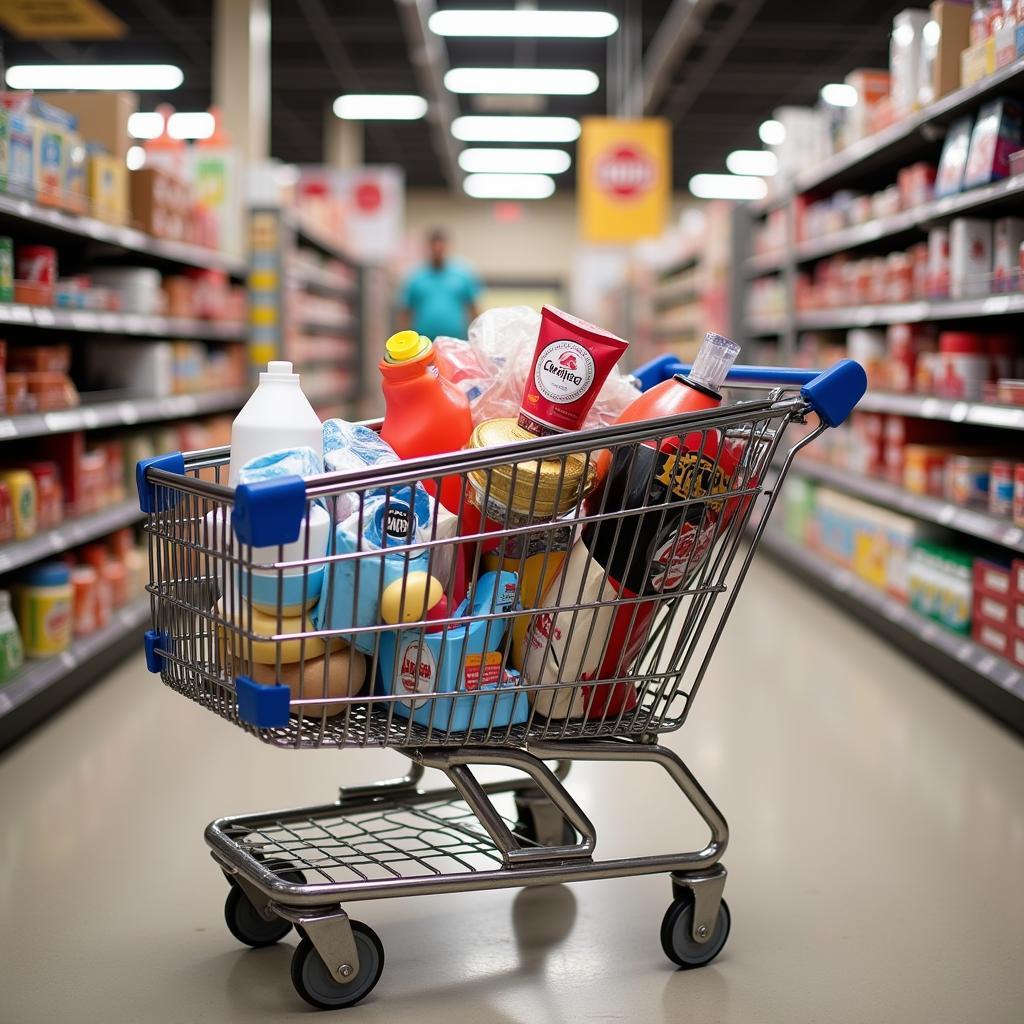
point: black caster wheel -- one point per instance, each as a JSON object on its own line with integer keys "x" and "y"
{"x": 677, "y": 935}
{"x": 528, "y": 826}
{"x": 244, "y": 921}
{"x": 319, "y": 988}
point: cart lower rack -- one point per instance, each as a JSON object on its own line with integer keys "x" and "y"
{"x": 545, "y": 619}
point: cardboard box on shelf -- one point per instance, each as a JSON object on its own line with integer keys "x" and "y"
{"x": 107, "y": 188}
{"x": 872, "y": 87}
{"x": 102, "y": 117}
{"x": 977, "y": 62}
{"x": 970, "y": 257}
{"x": 160, "y": 203}
{"x": 1017, "y": 649}
{"x": 954, "y": 36}
{"x": 993, "y": 578}
{"x": 992, "y": 637}
{"x": 991, "y": 609}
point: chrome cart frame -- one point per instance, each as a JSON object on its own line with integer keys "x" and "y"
{"x": 209, "y": 549}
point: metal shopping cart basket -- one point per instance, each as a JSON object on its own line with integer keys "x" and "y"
{"x": 308, "y": 612}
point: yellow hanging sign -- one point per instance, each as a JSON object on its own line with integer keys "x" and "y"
{"x": 624, "y": 177}
{"x": 60, "y": 19}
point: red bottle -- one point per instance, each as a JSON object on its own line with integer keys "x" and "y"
{"x": 424, "y": 415}
{"x": 652, "y": 552}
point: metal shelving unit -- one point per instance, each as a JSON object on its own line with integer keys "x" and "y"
{"x": 44, "y": 686}
{"x": 973, "y": 522}
{"x": 93, "y": 322}
{"x": 986, "y": 678}
{"x": 910, "y": 312}
{"x": 979, "y": 414}
{"x": 70, "y": 225}
{"x": 69, "y": 534}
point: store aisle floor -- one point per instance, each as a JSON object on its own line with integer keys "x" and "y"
{"x": 875, "y": 866}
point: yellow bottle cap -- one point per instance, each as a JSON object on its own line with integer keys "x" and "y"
{"x": 405, "y": 345}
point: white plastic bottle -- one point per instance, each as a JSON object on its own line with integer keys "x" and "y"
{"x": 277, "y": 416}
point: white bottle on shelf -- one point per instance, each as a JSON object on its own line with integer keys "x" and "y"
{"x": 277, "y": 416}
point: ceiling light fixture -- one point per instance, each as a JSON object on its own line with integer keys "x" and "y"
{"x": 380, "y": 107}
{"x": 515, "y": 129}
{"x": 772, "y": 132}
{"x": 727, "y": 186}
{"x": 524, "y": 22}
{"x": 135, "y": 77}
{"x": 508, "y": 186}
{"x": 191, "y": 125}
{"x": 146, "y": 125}
{"x": 760, "y": 162}
{"x": 135, "y": 158}
{"x": 523, "y": 81}
{"x": 838, "y": 94}
{"x": 515, "y": 161}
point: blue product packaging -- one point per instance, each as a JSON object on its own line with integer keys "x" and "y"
{"x": 464, "y": 658}
{"x": 387, "y": 524}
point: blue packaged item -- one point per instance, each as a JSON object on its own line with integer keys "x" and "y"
{"x": 285, "y": 462}
{"x": 457, "y": 658}
{"x": 389, "y": 522}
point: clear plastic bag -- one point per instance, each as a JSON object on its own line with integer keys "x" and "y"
{"x": 491, "y": 367}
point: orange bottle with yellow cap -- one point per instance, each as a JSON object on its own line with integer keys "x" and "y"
{"x": 424, "y": 414}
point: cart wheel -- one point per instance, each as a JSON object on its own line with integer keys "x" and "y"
{"x": 244, "y": 921}
{"x": 525, "y": 828}
{"x": 677, "y": 936}
{"x": 315, "y": 984}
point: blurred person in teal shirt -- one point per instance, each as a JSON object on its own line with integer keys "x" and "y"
{"x": 439, "y": 297}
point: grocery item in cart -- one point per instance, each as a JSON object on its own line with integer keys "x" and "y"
{"x": 377, "y": 537}
{"x": 424, "y": 413}
{"x": 276, "y": 416}
{"x": 571, "y": 362}
{"x": 449, "y": 659}
{"x": 330, "y": 677}
{"x": 236, "y": 620}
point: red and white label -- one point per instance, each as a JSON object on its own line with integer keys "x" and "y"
{"x": 482, "y": 670}
{"x": 564, "y": 372}
{"x": 625, "y": 171}
{"x": 417, "y": 671}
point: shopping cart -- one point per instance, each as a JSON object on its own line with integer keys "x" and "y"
{"x": 498, "y": 680}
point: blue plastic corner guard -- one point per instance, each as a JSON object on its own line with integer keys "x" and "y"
{"x": 173, "y": 462}
{"x": 833, "y": 393}
{"x": 265, "y": 707}
{"x": 157, "y": 643}
{"x": 269, "y": 512}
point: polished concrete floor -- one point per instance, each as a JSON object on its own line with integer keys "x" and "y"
{"x": 876, "y": 860}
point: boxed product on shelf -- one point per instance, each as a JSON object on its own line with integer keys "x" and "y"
{"x": 1008, "y": 237}
{"x": 970, "y": 257}
{"x": 909, "y": 72}
{"x": 107, "y": 187}
{"x": 945, "y": 44}
{"x": 873, "y": 86}
{"x": 1000, "y": 493}
{"x": 161, "y": 203}
{"x": 997, "y": 133}
{"x": 940, "y": 585}
{"x": 953, "y": 161}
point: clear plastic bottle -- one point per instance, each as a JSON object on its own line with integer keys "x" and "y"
{"x": 11, "y": 654}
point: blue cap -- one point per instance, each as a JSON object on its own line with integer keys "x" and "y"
{"x": 48, "y": 574}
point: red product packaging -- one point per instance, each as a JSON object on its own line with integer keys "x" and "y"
{"x": 905, "y": 342}
{"x": 992, "y": 578}
{"x": 992, "y": 610}
{"x": 1017, "y": 578}
{"x": 1017, "y": 650}
{"x": 6, "y": 514}
{"x": 903, "y": 430}
{"x": 1002, "y": 354}
{"x": 116, "y": 577}
{"x": 49, "y": 496}
{"x": 67, "y": 451}
{"x": 36, "y": 264}
{"x": 1000, "y": 488}
{"x": 85, "y": 593}
{"x": 1018, "y": 494}
{"x": 992, "y": 637}
{"x": 121, "y": 542}
{"x": 570, "y": 365}
{"x": 93, "y": 472}
{"x": 870, "y": 428}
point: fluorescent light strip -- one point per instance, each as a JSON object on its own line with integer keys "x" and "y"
{"x": 515, "y": 129}
{"x": 760, "y": 162}
{"x": 559, "y": 24}
{"x": 146, "y": 125}
{"x": 191, "y": 125}
{"x": 727, "y": 186}
{"x": 515, "y": 161}
{"x": 161, "y": 77}
{"x": 380, "y": 107}
{"x": 772, "y": 132}
{"x": 508, "y": 186}
{"x": 522, "y": 81}
{"x": 838, "y": 94}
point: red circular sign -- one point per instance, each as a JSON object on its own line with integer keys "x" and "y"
{"x": 625, "y": 171}
{"x": 368, "y": 196}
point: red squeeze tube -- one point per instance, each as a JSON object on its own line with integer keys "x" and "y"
{"x": 570, "y": 365}
{"x": 653, "y": 552}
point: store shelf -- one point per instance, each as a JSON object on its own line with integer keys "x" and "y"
{"x": 46, "y": 685}
{"x": 671, "y": 298}
{"x": 766, "y": 325}
{"x": 986, "y": 678}
{"x": 309, "y": 235}
{"x": 905, "y": 139}
{"x": 910, "y": 312}
{"x": 92, "y": 322}
{"x": 95, "y": 415}
{"x": 679, "y": 267}
{"x": 328, "y": 326}
{"x": 765, "y": 263}
{"x": 931, "y": 510}
{"x": 124, "y": 238}
{"x": 323, "y": 282}
{"x": 69, "y": 534}
{"x": 981, "y": 414}
{"x": 911, "y": 220}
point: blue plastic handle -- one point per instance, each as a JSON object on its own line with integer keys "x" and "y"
{"x": 832, "y": 394}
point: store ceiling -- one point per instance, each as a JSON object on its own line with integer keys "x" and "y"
{"x": 748, "y": 57}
